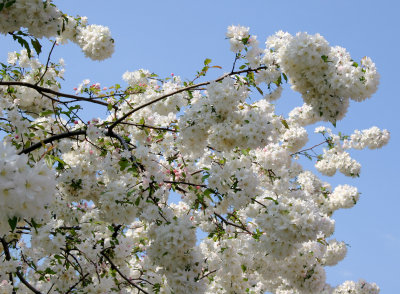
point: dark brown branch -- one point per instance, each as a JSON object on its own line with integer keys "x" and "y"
{"x": 121, "y": 274}
{"x": 76, "y": 284}
{"x": 52, "y": 139}
{"x": 26, "y": 283}
{"x": 188, "y": 88}
{"x": 110, "y": 133}
{"x": 47, "y": 63}
{"x": 149, "y": 127}
{"x": 185, "y": 183}
{"x": 18, "y": 273}
{"x": 232, "y": 224}
{"x": 42, "y": 90}
{"x": 207, "y": 274}
{"x": 311, "y": 148}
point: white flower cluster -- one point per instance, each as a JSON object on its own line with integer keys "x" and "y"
{"x": 326, "y": 76}
{"x": 173, "y": 248}
{"x": 25, "y": 191}
{"x": 336, "y": 158}
{"x": 335, "y": 252}
{"x": 361, "y": 287}
{"x": 43, "y": 19}
{"x": 96, "y": 42}
{"x": 138, "y": 77}
{"x": 29, "y": 99}
{"x": 237, "y": 35}
{"x": 108, "y": 222}
{"x": 372, "y": 138}
{"x": 294, "y": 220}
{"x": 222, "y": 120}
{"x": 333, "y": 160}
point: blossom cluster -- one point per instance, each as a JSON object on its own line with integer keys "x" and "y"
{"x": 25, "y": 191}
{"x": 44, "y": 19}
{"x": 118, "y": 204}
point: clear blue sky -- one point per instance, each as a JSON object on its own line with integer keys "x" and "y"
{"x": 176, "y": 36}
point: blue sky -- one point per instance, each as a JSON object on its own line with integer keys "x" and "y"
{"x": 176, "y": 36}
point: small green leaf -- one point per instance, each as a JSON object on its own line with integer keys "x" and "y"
{"x": 325, "y": 58}
{"x": 36, "y": 45}
{"x": 284, "y": 122}
{"x": 49, "y": 160}
{"x": 46, "y": 113}
{"x": 13, "y": 223}
{"x": 272, "y": 199}
{"x": 259, "y": 90}
{"x": 285, "y": 77}
{"x": 207, "y": 61}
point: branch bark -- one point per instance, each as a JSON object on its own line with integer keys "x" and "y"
{"x": 180, "y": 91}
{"x": 121, "y": 274}
{"x": 42, "y": 90}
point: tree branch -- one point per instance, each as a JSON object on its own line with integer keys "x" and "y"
{"x": 180, "y": 91}
{"x": 121, "y": 274}
{"x": 52, "y": 139}
{"x": 18, "y": 273}
{"x": 47, "y": 63}
{"x": 42, "y": 90}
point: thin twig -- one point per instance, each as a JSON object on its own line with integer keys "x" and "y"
{"x": 185, "y": 183}
{"x": 47, "y": 63}
{"x": 121, "y": 274}
{"x": 311, "y": 148}
{"x": 76, "y": 284}
{"x": 18, "y": 273}
{"x": 232, "y": 224}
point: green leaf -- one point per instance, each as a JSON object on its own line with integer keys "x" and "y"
{"x": 259, "y": 90}
{"x": 6, "y": 4}
{"x": 244, "y": 268}
{"x": 284, "y": 122}
{"x": 285, "y": 77}
{"x": 242, "y": 66}
{"x": 207, "y": 61}
{"x": 49, "y": 160}
{"x": 36, "y": 45}
{"x": 137, "y": 201}
{"x": 46, "y": 113}
{"x": 325, "y": 58}
{"x": 272, "y": 199}
{"x": 208, "y": 192}
{"x": 13, "y": 223}
{"x": 245, "y": 151}
{"x": 123, "y": 163}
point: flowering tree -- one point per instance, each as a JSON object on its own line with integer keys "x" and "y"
{"x": 85, "y": 206}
